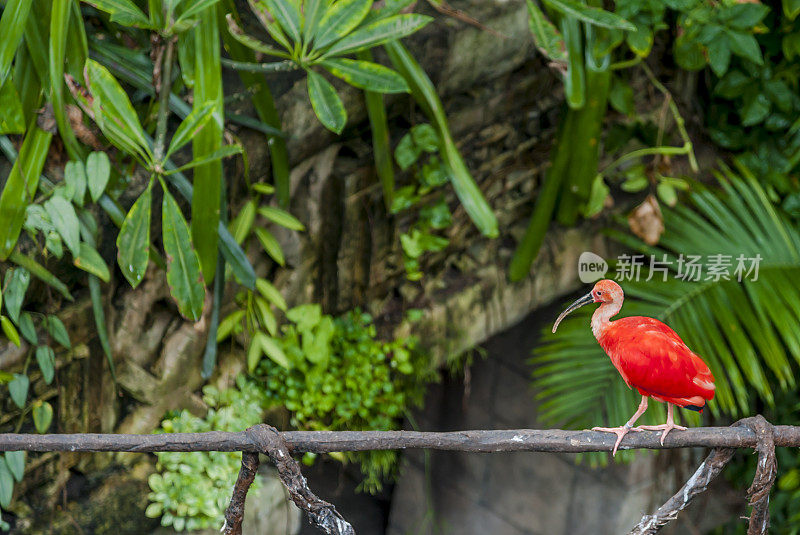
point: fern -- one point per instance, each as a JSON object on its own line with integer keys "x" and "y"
{"x": 746, "y": 331}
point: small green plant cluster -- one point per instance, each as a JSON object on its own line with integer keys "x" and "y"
{"x": 336, "y": 374}
{"x": 419, "y": 149}
{"x": 191, "y": 490}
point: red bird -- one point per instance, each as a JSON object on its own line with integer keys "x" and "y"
{"x": 649, "y": 355}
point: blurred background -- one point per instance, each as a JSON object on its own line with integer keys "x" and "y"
{"x": 366, "y": 215}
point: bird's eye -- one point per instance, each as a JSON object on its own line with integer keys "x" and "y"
{"x": 599, "y": 294}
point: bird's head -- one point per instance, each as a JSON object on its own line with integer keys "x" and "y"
{"x": 604, "y": 291}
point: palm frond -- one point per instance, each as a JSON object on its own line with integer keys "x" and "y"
{"x": 745, "y": 330}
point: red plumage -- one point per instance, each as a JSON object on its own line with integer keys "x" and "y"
{"x": 652, "y": 358}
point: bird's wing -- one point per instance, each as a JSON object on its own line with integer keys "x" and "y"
{"x": 653, "y": 358}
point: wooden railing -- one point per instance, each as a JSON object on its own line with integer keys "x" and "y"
{"x": 752, "y": 433}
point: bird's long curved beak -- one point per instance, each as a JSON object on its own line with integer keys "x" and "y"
{"x": 585, "y": 300}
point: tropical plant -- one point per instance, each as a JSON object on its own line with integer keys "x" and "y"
{"x": 744, "y": 329}
{"x": 191, "y": 490}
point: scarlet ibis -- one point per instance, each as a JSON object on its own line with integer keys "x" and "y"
{"x": 649, "y": 355}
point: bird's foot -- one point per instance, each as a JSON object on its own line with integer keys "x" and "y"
{"x": 620, "y": 431}
{"x": 667, "y": 427}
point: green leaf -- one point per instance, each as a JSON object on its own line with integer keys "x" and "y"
{"x": 597, "y": 197}
{"x": 367, "y": 75}
{"x": 287, "y": 15}
{"x": 27, "y": 328}
{"x": 208, "y": 178}
{"x": 21, "y": 186}
{"x": 313, "y": 10}
{"x": 75, "y": 179}
{"x": 746, "y": 46}
{"x": 271, "y": 293}
{"x": 64, "y": 218}
{"x": 193, "y": 8}
{"x": 425, "y": 94}
{"x": 326, "y": 103}
{"x": 379, "y": 32}
{"x": 16, "y": 463}
{"x": 590, "y": 15}
{"x": 133, "y": 240}
{"x": 123, "y": 12}
{"x": 339, "y": 20}
{"x": 269, "y": 347}
{"x": 60, "y": 55}
{"x": 12, "y": 120}
{"x": 190, "y": 126}
{"x": 219, "y": 154}
{"x": 98, "y": 171}
{"x": 791, "y": 8}
{"x": 251, "y": 42}
{"x": 47, "y": 362}
{"x": 270, "y": 245}
{"x": 229, "y": 325}
{"x": 114, "y": 113}
{"x": 42, "y": 415}
{"x": 243, "y": 223}
{"x": 6, "y": 485}
{"x": 57, "y": 330}
{"x": 281, "y": 217}
{"x": 14, "y": 287}
{"x": 90, "y": 261}
{"x": 12, "y": 28}
{"x": 9, "y": 330}
{"x": 38, "y": 271}
{"x": 667, "y": 194}
{"x": 545, "y": 34}
{"x": 183, "y": 266}
{"x": 18, "y": 388}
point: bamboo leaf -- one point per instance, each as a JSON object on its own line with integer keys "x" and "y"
{"x": 194, "y": 8}
{"x": 378, "y": 33}
{"x": 133, "y": 240}
{"x": 339, "y": 20}
{"x": 90, "y": 261}
{"x": 326, "y": 103}
{"x": 98, "y": 171}
{"x": 64, "y": 218}
{"x": 9, "y": 330}
{"x": 191, "y": 126}
{"x": 183, "y": 266}
{"x": 59, "y": 30}
{"x": 270, "y": 245}
{"x": 21, "y": 186}
{"x": 271, "y": 294}
{"x": 367, "y": 75}
{"x": 207, "y": 198}
{"x": 281, "y": 217}
{"x": 590, "y": 14}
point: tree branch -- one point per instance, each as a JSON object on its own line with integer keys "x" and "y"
{"x": 484, "y": 441}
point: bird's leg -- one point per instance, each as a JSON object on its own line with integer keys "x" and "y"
{"x": 623, "y": 430}
{"x": 667, "y": 427}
